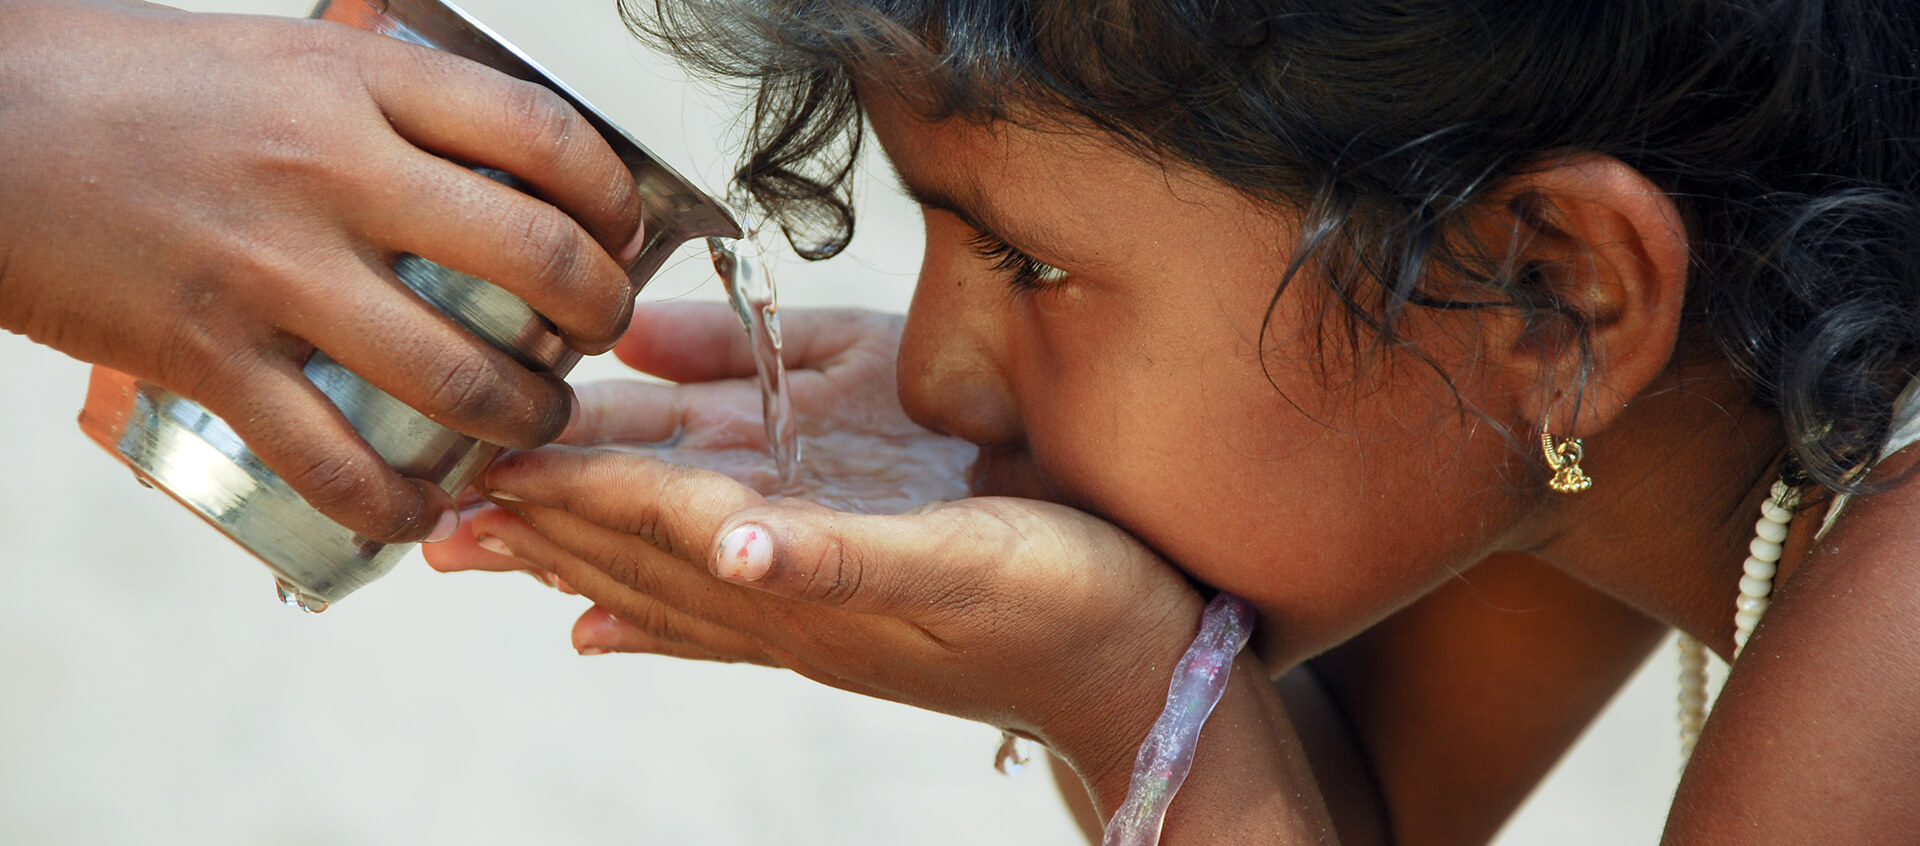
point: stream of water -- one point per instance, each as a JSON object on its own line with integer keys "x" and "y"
{"x": 742, "y": 265}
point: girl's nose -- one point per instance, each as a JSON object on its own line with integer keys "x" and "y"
{"x": 953, "y": 377}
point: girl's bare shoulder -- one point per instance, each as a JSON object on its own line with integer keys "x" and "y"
{"x": 1816, "y": 736}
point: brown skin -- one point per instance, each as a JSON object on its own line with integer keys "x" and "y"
{"x": 204, "y": 200}
{"x": 1463, "y": 622}
{"x": 1814, "y": 739}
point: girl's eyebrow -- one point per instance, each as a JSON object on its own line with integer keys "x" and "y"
{"x": 980, "y": 216}
{"x": 935, "y": 198}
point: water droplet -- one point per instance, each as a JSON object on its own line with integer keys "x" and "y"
{"x": 293, "y": 597}
{"x": 1014, "y": 755}
{"x": 142, "y": 481}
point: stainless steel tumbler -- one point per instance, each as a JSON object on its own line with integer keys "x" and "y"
{"x": 174, "y": 444}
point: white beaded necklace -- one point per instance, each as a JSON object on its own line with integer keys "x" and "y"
{"x": 1756, "y": 579}
{"x": 1756, "y": 585}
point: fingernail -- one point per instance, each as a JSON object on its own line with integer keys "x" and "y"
{"x": 561, "y": 585}
{"x": 632, "y": 250}
{"x": 745, "y": 554}
{"x": 445, "y": 526}
{"x": 503, "y": 496}
{"x": 573, "y": 418}
{"x": 493, "y": 545}
{"x": 591, "y": 650}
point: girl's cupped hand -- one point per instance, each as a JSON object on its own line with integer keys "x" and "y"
{"x": 1019, "y": 613}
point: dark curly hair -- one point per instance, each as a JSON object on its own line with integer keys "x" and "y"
{"x": 1786, "y": 131}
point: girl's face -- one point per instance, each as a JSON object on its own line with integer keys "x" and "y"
{"x": 1094, "y": 322}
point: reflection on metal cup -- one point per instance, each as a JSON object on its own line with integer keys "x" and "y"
{"x": 174, "y": 444}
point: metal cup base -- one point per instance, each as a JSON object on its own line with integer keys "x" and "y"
{"x": 175, "y": 445}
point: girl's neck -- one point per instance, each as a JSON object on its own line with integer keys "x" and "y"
{"x": 1665, "y": 528}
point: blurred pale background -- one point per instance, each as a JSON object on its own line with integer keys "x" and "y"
{"x": 153, "y": 692}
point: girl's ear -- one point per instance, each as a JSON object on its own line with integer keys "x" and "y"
{"x": 1603, "y": 253}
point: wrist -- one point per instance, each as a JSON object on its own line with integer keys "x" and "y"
{"x": 1110, "y": 715}
{"x": 1105, "y": 758}
{"x": 1250, "y": 780}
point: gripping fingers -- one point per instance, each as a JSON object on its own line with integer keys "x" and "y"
{"x": 464, "y": 221}
{"x": 474, "y": 114}
{"x": 398, "y": 343}
{"x": 300, "y": 435}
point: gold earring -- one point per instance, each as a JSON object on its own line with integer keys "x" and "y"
{"x": 1564, "y": 458}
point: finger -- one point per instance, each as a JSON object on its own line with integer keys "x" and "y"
{"x": 469, "y": 223}
{"x": 635, "y": 412}
{"x": 613, "y": 566}
{"x": 672, "y": 507}
{"x": 476, "y": 115}
{"x": 936, "y": 559}
{"x": 475, "y": 546}
{"x": 652, "y": 413}
{"x": 482, "y": 543}
{"x": 686, "y": 342}
{"x": 704, "y": 342}
{"x": 299, "y": 434}
{"x": 600, "y": 630}
{"x": 392, "y": 339}
{"x": 668, "y": 598}
{"x": 593, "y": 637}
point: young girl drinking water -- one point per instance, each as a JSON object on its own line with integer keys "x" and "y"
{"x": 1474, "y": 345}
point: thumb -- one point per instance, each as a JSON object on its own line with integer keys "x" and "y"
{"x": 864, "y": 563}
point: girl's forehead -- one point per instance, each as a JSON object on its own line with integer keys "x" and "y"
{"x": 1027, "y": 148}
{"x": 902, "y": 105}
{"x": 1079, "y": 202}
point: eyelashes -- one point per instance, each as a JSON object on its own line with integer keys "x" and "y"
{"x": 1024, "y": 273}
